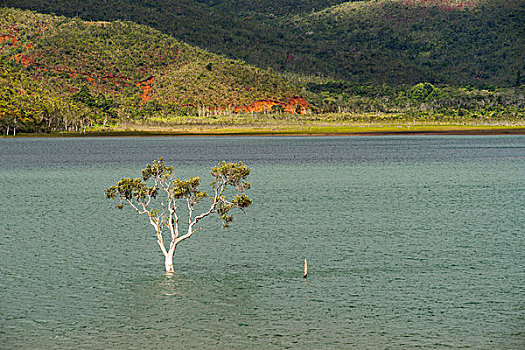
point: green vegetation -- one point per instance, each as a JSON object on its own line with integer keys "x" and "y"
{"x": 66, "y": 74}
{"x": 422, "y": 101}
{"x": 393, "y": 41}
{"x": 408, "y": 41}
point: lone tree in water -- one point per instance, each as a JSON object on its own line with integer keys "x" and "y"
{"x": 159, "y": 194}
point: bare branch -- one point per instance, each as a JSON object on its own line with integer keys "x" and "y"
{"x": 137, "y": 209}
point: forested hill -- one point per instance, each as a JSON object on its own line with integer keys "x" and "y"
{"x": 56, "y": 72}
{"x": 475, "y": 42}
{"x": 440, "y": 41}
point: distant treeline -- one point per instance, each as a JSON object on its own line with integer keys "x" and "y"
{"x": 423, "y": 100}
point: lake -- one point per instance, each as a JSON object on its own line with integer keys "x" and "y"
{"x": 412, "y": 242}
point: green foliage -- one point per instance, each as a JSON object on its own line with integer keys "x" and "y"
{"x": 157, "y": 170}
{"x": 84, "y": 96}
{"x": 269, "y": 8}
{"x": 105, "y": 106}
{"x": 239, "y": 201}
{"x": 393, "y": 41}
{"x": 438, "y": 41}
{"x": 107, "y": 72}
{"x": 140, "y": 195}
{"x": 32, "y": 107}
{"x": 232, "y": 174}
{"x": 422, "y": 101}
{"x": 422, "y": 91}
{"x": 81, "y": 75}
{"x": 128, "y": 189}
{"x": 277, "y": 109}
{"x": 188, "y": 189}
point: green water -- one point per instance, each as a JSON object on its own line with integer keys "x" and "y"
{"x": 412, "y": 242}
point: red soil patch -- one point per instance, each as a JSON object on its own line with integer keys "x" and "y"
{"x": 257, "y": 106}
{"x": 26, "y": 60}
{"x": 297, "y": 105}
{"x": 294, "y": 105}
{"x": 146, "y": 86}
{"x": 6, "y": 38}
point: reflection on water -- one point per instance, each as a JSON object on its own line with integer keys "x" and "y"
{"x": 412, "y": 242}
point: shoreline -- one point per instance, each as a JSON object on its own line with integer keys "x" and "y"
{"x": 310, "y": 131}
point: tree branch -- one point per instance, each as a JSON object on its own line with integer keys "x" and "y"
{"x": 137, "y": 209}
{"x": 160, "y": 240}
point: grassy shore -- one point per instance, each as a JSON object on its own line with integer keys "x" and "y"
{"x": 231, "y": 124}
{"x": 327, "y": 130}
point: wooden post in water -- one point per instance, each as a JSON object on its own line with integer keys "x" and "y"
{"x": 305, "y": 275}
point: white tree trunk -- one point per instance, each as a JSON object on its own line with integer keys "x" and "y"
{"x": 168, "y": 262}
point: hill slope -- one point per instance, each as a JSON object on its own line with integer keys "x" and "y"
{"x": 212, "y": 28}
{"x": 440, "y": 41}
{"x": 393, "y": 41}
{"x": 119, "y": 70}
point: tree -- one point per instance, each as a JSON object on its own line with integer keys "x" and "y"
{"x": 421, "y": 91}
{"x": 158, "y": 195}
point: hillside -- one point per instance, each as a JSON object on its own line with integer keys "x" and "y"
{"x": 270, "y": 8}
{"x": 473, "y": 42}
{"x": 439, "y": 41}
{"x": 190, "y": 21}
{"x": 78, "y": 72}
